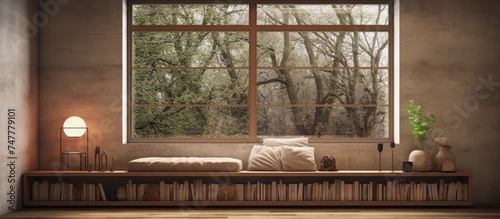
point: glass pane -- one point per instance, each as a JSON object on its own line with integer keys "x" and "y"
{"x": 188, "y": 86}
{"x": 323, "y": 86}
{"x": 189, "y": 122}
{"x": 324, "y": 122}
{"x": 282, "y": 86}
{"x": 323, "y": 49}
{"x": 322, "y": 14}
{"x": 170, "y": 14}
{"x": 194, "y": 49}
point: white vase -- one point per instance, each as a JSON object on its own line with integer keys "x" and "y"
{"x": 423, "y": 161}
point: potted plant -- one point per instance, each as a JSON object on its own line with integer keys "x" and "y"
{"x": 422, "y": 123}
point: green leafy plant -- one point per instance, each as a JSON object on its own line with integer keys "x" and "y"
{"x": 421, "y": 122}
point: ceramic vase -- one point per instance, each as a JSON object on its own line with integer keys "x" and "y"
{"x": 423, "y": 161}
{"x": 445, "y": 161}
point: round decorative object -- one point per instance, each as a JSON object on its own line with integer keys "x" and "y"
{"x": 445, "y": 161}
{"x": 121, "y": 194}
{"x": 226, "y": 192}
{"x": 328, "y": 164}
{"x": 423, "y": 161}
{"x": 74, "y": 126}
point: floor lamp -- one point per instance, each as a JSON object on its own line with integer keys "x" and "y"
{"x": 74, "y": 127}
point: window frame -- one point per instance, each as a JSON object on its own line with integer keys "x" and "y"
{"x": 252, "y": 28}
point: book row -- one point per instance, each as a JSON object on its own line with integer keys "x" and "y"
{"x": 197, "y": 190}
{"x": 61, "y": 191}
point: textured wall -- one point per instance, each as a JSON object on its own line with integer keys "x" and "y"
{"x": 18, "y": 91}
{"x": 80, "y": 74}
{"x": 446, "y": 48}
{"x": 450, "y": 53}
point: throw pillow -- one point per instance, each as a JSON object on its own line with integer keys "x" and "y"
{"x": 264, "y": 158}
{"x": 297, "y": 158}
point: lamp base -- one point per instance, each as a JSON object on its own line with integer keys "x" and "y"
{"x": 82, "y": 162}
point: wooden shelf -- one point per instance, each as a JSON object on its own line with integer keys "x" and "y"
{"x": 119, "y": 178}
{"x": 251, "y": 173}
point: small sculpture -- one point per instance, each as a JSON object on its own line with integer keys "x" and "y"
{"x": 97, "y": 158}
{"x": 445, "y": 160}
{"x": 328, "y": 164}
{"x": 104, "y": 155}
{"x": 112, "y": 169}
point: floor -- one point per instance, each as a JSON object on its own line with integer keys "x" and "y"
{"x": 266, "y": 213}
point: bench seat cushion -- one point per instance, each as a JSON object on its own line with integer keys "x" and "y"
{"x": 185, "y": 164}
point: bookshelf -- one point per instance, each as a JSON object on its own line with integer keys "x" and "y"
{"x": 247, "y": 188}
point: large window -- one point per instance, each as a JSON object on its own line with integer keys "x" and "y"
{"x": 237, "y": 72}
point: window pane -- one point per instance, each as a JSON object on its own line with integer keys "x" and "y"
{"x": 323, "y": 49}
{"x": 324, "y": 122}
{"x": 187, "y": 122}
{"x": 190, "y": 75}
{"x": 163, "y": 14}
{"x": 323, "y": 86}
{"x": 322, "y": 14}
{"x": 167, "y": 49}
{"x": 190, "y": 86}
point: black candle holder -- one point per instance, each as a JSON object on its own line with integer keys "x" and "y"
{"x": 407, "y": 166}
{"x": 380, "y": 148}
{"x": 393, "y": 145}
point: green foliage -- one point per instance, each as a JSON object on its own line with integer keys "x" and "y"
{"x": 195, "y": 83}
{"x": 420, "y": 121}
{"x": 176, "y": 92}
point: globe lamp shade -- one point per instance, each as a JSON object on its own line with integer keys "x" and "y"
{"x": 74, "y": 127}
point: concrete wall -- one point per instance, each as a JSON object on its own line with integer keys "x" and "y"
{"x": 450, "y": 52}
{"x": 80, "y": 74}
{"x": 18, "y": 91}
{"x": 446, "y": 48}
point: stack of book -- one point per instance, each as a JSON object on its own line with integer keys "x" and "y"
{"x": 61, "y": 191}
{"x": 197, "y": 190}
{"x": 337, "y": 190}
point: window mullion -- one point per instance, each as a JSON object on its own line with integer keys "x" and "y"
{"x": 253, "y": 73}
{"x": 323, "y": 28}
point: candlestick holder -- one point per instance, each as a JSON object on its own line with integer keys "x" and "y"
{"x": 393, "y": 145}
{"x": 380, "y": 147}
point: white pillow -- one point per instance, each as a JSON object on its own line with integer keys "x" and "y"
{"x": 297, "y": 142}
{"x": 264, "y": 158}
{"x": 297, "y": 158}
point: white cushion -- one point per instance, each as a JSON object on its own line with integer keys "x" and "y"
{"x": 297, "y": 142}
{"x": 264, "y": 158}
{"x": 185, "y": 164}
{"x": 297, "y": 158}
